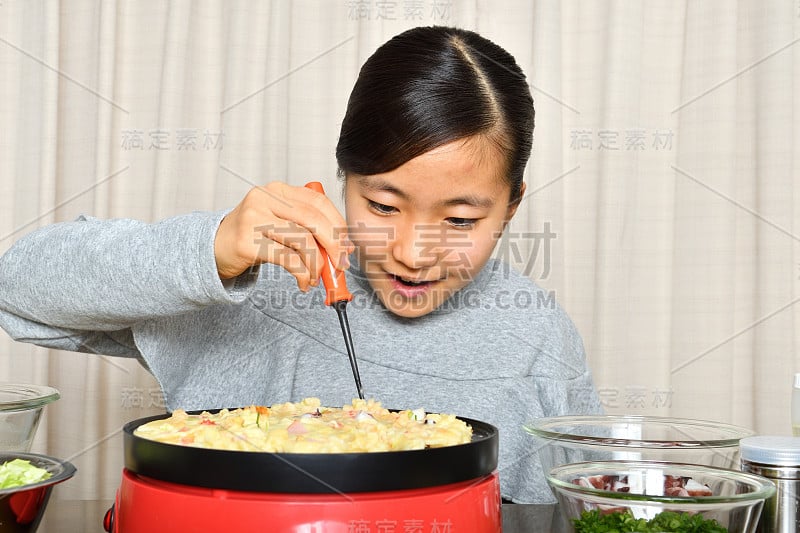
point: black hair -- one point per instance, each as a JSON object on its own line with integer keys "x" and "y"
{"x": 429, "y": 86}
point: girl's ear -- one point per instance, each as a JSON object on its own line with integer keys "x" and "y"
{"x": 512, "y": 206}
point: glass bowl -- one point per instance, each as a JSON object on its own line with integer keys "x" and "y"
{"x": 22, "y": 508}
{"x": 642, "y": 490}
{"x": 20, "y": 411}
{"x": 571, "y": 439}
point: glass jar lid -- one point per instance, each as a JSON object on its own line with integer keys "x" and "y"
{"x": 771, "y": 450}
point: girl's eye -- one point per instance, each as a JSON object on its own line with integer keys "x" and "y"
{"x": 462, "y": 223}
{"x": 381, "y": 209}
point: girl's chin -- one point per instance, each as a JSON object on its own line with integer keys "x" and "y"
{"x": 408, "y": 311}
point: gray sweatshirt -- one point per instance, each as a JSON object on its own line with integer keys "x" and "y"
{"x": 501, "y": 350}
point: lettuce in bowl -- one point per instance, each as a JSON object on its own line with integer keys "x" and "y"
{"x": 20, "y": 472}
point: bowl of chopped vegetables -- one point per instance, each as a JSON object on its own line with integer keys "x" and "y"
{"x": 26, "y": 481}
{"x": 650, "y": 496}
{"x": 562, "y": 440}
{"x": 21, "y": 407}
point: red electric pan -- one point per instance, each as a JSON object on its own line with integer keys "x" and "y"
{"x": 173, "y": 488}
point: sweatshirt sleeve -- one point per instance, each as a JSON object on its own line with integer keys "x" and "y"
{"x": 82, "y": 285}
{"x": 563, "y": 378}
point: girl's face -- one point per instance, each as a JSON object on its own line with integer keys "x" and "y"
{"x": 424, "y": 230}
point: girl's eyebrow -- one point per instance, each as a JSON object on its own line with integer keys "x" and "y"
{"x": 374, "y": 184}
{"x": 469, "y": 200}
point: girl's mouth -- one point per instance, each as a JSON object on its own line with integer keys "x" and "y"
{"x": 408, "y": 282}
{"x": 409, "y": 288}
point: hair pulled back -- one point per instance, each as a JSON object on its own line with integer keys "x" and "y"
{"x": 429, "y": 86}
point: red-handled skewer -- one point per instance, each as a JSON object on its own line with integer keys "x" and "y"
{"x": 337, "y": 296}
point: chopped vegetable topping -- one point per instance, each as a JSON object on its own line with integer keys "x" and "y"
{"x": 596, "y": 521}
{"x": 19, "y": 472}
{"x": 307, "y": 427}
{"x": 363, "y": 416}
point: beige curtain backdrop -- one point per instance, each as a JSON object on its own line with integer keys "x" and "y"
{"x": 663, "y": 200}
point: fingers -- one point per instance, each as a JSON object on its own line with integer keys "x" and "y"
{"x": 285, "y": 226}
{"x": 294, "y": 248}
{"x": 303, "y": 262}
{"x": 317, "y": 214}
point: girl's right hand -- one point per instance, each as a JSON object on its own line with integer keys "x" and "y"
{"x": 282, "y": 224}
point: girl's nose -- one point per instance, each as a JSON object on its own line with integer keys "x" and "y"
{"x": 418, "y": 245}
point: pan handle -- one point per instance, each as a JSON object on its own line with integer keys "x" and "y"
{"x": 108, "y": 520}
{"x": 333, "y": 279}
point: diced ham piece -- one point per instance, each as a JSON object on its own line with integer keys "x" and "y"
{"x": 697, "y": 489}
{"x": 599, "y": 482}
{"x": 673, "y": 485}
{"x": 608, "y": 509}
{"x": 673, "y": 481}
{"x": 676, "y": 491}
{"x": 620, "y": 486}
{"x": 297, "y": 428}
{"x": 363, "y": 416}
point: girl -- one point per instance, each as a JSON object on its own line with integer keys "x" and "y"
{"x": 432, "y": 151}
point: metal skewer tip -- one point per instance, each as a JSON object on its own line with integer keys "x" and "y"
{"x": 341, "y": 311}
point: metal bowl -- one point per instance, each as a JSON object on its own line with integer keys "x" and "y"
{"x": 21, "y": 408}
